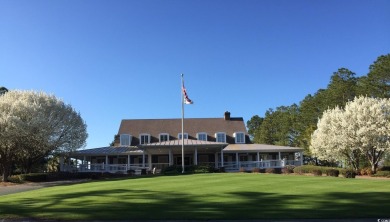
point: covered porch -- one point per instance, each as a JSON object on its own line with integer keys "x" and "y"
{"x": 154, "y": 157}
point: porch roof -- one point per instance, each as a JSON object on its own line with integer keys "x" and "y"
{"x": 110, "y": 150}
{"x": 260, "y": 148}
{"x": 187, "y": 142}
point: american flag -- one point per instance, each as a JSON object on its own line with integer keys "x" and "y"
{"x": 186, "y": 99}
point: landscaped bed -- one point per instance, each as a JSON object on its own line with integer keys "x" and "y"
{"x": 205, "y": 196}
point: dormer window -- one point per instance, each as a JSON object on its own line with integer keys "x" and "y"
{"x": 239, "y": 137}
{"x": 164, "y": 137}
{"x": 185, "y": 136}
{"x": 144, "y": 138}
{"x": 220, "y": 137}
{"x": 201, "y": 136}
{"x": 125, "y": 139}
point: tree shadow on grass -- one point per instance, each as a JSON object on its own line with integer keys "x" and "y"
{"x": 126, "y": 204}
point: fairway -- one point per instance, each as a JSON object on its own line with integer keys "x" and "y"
{"x": 205, "y": 196}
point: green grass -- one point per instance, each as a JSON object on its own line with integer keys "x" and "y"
{"x": 205, "y": 196}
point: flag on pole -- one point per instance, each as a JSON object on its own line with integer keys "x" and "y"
{"x": 186, "y": 99}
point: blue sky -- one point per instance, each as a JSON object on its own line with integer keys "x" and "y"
{"x": 114, "y": 60}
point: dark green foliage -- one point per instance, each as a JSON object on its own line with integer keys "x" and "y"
{"x": 317, "y": 172}
{"x": 348, "y": 173}
{"x": 332, "y": 172}
{"x": 288, "y": 169}
{"x": 384, "y": 168}
{"x": 175, "y": 169}
{"x": 384, "y": 173}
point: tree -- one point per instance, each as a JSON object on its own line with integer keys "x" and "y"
{"x": 34, "y": 125}
{"x": 254, "y": 124}
{"x": 361, "y": 128}
{"x": 377, "y": 82}
{"x": 279, "y": 126}
{"x": 3, "y": 90}
{"x": 341, "y": 89}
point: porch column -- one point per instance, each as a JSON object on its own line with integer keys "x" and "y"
{"x": 128, "y": 162}
{"x": 280, "y": 156}
{"x": 221, "y": 158}
{"x": 170, "y": 157}
{"x": 237, "y": 161}
{"x": 196, "y": 157}
{"x": 216, "y": 160}
{"x": 143, "y": 158}
{"x": 106, "y": 163}
{"x": 258, "y": 160}
{"x": 84, "y": 159}
{"x": 150, "y": 160}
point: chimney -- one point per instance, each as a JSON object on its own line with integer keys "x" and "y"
{"x": 227, "y": 115}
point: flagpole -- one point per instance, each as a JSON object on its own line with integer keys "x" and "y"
{"x": 182, "y": 124}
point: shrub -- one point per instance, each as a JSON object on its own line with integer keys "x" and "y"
{"x": 349, "y": 173}
{"x": 255, "y": 170}
{"x": 270, "y": 170}
{"x": 36, "y": 177}
{"x": 317, "y": 172}
{"x": 288, "y": 169}
{"x": 384, "y": 168}
{"x": 366, "y": 171}
{"x": 172, "y": 170}
{"x": 203, "y": 169}
{"x": 16, "y": 179}
{"x": 382, "y": 174}
{"x": 332, "y": 172}
{"x": 306, "y": 169}
{"x": 242, "y": 169}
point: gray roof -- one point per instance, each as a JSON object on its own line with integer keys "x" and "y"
{"x": 260, "y": 148}
{"x": 110, "y": 150}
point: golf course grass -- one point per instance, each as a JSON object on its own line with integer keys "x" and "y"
{"x": 205, "y": 196}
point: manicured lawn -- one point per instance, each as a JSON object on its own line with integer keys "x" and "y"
{"x": 205, "y": 196}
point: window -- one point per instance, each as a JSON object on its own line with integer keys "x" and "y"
{"x": 164, "y": 137}
{"x": 220, "y": 137}
{"x": 239, "y": 137}
{"x": 185, "y": 135}
{"x": 144, "y": 138}
{"x": 125, "y": 139}
{"x": 202, "y": 136}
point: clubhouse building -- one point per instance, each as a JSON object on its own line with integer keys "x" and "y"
{"x": 153, "y": 144}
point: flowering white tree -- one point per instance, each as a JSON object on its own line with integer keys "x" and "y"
{"x": 361, "y": 128}
{"x": 33, "y": 125}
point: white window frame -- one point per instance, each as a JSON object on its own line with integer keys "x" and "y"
{"x": 236, "y": 138}
{"x": 224, "y": 137}
{"x": 142, "y": 135}
{"x": 201, "y": 133}
{"x": 185, "y": 136}
{"x": 163, "y": 134}
{"x": 125, "y": 139}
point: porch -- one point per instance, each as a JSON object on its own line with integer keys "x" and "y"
{"x": 157, "y": 156}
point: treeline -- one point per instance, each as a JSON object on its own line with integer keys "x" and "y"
{"x": 293, "y": 125}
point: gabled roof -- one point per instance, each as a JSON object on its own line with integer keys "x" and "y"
{"x": 260, "y": 148}
{"x": 192, "y": 126}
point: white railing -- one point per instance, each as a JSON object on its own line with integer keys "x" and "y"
{"x": 125, "y": 168}
{"x": 249, "y": 165}
{"x": 111, "y": 168}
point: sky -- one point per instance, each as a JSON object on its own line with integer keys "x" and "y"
{"x": 114, "y": 60}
